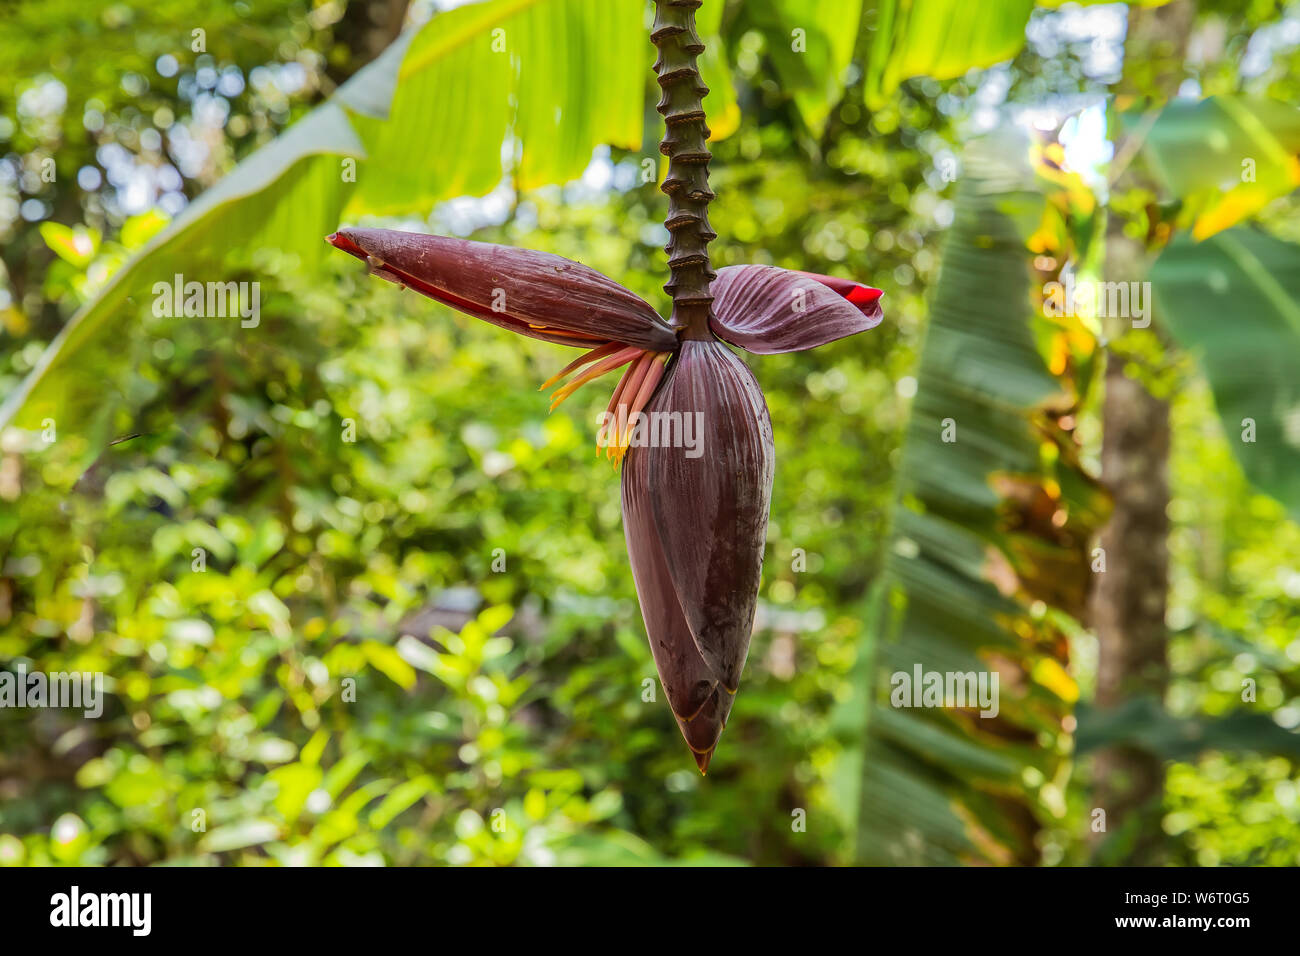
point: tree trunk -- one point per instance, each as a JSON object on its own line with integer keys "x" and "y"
{"x": 1128, "y": 601}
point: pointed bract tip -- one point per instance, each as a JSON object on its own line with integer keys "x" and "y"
{"x": 702, "y": 760}
{"x": 340, "y": 241}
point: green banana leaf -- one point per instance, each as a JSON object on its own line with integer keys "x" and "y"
{"x": 1234, "y": 302}
{"x": 558, "y": 77}
{"x": 941, "y": 39}
{"x": 977, "y": 520}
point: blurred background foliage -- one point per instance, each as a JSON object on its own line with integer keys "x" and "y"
{"x": 359, "y": 600}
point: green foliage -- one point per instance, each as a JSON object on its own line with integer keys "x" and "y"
{"x": 1223, "y": 158}
{"x": 810, "y": 44}
{"x": 1234, "y": 616}
{"x": 1234, "y": 301}
{"x": 1144, "y": 723}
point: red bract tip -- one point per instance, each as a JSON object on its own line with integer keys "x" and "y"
{"x": 863, "y": 296}
{"x": 340, "y": 241}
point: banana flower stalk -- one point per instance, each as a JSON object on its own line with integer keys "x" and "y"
{"x": 694, "y": 513}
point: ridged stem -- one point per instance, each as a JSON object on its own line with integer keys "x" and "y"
{"x": 685, "y": 144}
